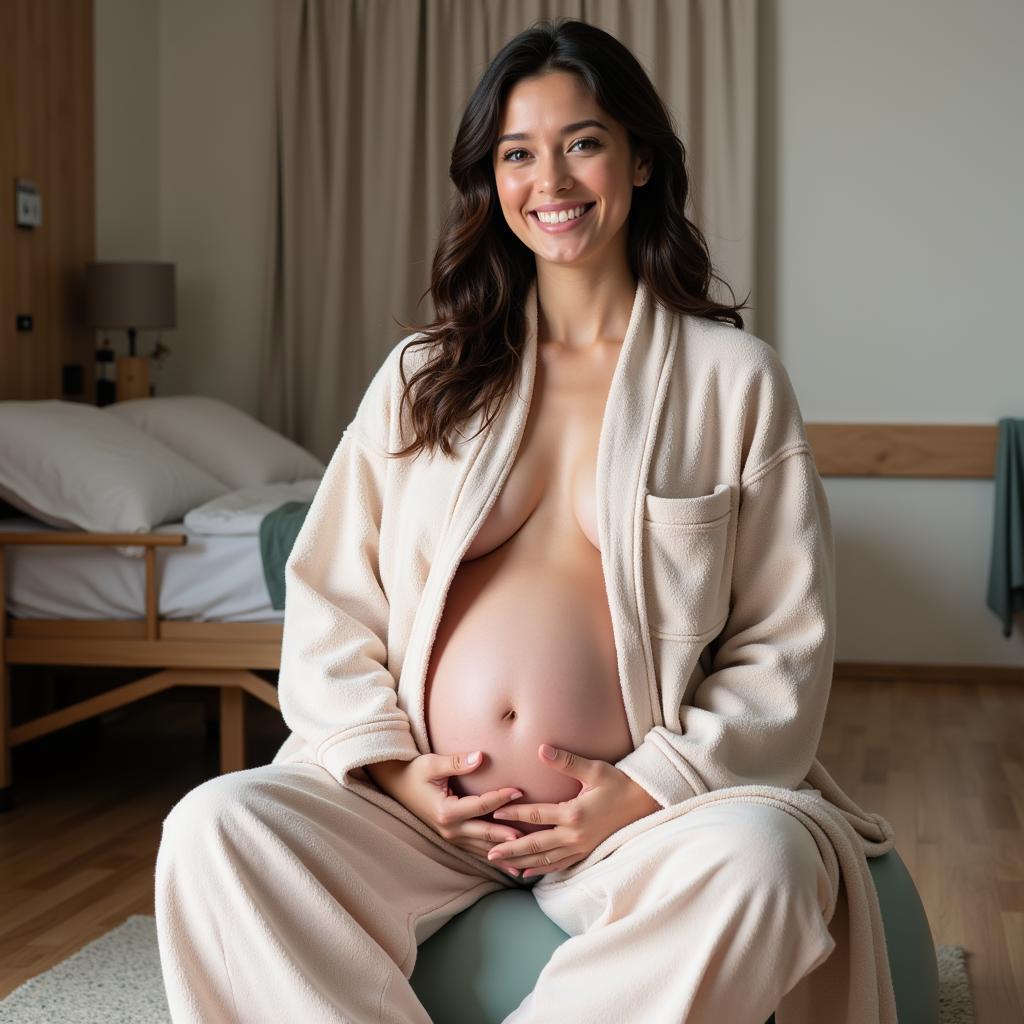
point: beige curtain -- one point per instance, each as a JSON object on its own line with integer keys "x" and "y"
{"x": 369, "y": 93}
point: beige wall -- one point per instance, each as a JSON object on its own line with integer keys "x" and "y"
{"x": 184, "y": 98}
{"x": 891, "y": 230}
{"x": 217, "y": 109}
{"x": 893, "y": 265}
{"x": 127, "y": 120}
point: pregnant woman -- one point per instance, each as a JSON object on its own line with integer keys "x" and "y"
{"x": 560, "y": 617}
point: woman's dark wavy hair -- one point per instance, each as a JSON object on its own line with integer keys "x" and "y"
{"x": 482, "y": 271}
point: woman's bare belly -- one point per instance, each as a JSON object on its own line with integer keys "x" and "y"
{"x": 525, "y": 655}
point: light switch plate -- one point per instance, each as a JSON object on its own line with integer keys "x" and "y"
{"x": 28, "y": 204}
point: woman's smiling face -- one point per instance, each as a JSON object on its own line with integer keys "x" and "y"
{"x": 589, "y": 165}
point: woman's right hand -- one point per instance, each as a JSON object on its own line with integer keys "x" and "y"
{"x": 422, "y": 786}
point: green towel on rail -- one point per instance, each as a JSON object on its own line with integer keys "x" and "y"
{"x": 1006, "y": 571}
{"x": 278, "y": 530}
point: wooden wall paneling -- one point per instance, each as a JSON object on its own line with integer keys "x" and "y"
{"x": 7, "y": 175}
{"x": 76, "y": 181}
{"x": 46, "y": 102}
{"x": 30, "y": 141}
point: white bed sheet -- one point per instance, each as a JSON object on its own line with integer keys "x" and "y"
{"x": 212, "y": 578}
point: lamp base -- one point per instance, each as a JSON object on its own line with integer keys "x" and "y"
{"x": 106, "y": 393}
{"x": 132, "y": 378}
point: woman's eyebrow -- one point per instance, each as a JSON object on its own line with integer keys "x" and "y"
{"x": 574, "y": 127}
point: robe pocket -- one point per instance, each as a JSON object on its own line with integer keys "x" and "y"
{"x": 686, "y": 540}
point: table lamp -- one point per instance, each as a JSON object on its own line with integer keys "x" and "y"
{"x": 133, "y": 296}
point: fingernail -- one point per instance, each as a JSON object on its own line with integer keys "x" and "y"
{"x": 474, "y": 757}
{"x": 547, "y": 752}
{"x": 514, "y": 872}
{"x": 516, "y": 795}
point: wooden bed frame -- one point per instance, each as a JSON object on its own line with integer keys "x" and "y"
{"x": 224, "y": 654}
{"x": 218, "y": 654}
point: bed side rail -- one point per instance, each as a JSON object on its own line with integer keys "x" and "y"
{"x": 150, "y": 541}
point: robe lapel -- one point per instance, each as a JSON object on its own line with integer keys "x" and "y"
{"x": 628, "y": 430}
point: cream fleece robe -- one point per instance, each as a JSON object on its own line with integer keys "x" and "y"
{"x": 717, "y": 551}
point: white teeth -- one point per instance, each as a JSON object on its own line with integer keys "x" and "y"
{"x": 561, "y": 215}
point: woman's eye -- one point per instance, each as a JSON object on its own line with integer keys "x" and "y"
{"x": 512, "y": 152}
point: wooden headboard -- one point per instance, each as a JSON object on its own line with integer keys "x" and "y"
{"x": 46, "y": 137}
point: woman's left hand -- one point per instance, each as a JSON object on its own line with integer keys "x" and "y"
{"x": 608, "y": 801}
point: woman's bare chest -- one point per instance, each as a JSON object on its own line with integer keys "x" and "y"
{"x": 549, "y": 498}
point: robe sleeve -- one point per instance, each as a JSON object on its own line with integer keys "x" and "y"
{"x": 334, "y": 687}
{"x": 757, "y": 717}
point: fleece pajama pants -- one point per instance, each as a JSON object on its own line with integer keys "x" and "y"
{"x": 285, "y": 897}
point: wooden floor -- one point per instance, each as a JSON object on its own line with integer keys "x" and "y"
{"x": 943, "y": 762}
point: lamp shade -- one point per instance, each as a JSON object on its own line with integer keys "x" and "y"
{"x": 134, "y": 295}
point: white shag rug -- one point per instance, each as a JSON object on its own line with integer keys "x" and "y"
{"x": 116, "y": 979}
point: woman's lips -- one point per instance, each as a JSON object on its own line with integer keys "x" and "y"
{"x": 568, "y": 225}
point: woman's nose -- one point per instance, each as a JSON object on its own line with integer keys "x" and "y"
{"x": 551, "y": 175}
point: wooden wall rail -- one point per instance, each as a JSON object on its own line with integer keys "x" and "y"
{"x": 904, "y": 449}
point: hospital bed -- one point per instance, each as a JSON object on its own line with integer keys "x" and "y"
{"x": 192, "y": 606}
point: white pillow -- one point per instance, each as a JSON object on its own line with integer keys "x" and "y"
{"x": 72, "y": 466}
{"x": 228, "y": 443}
